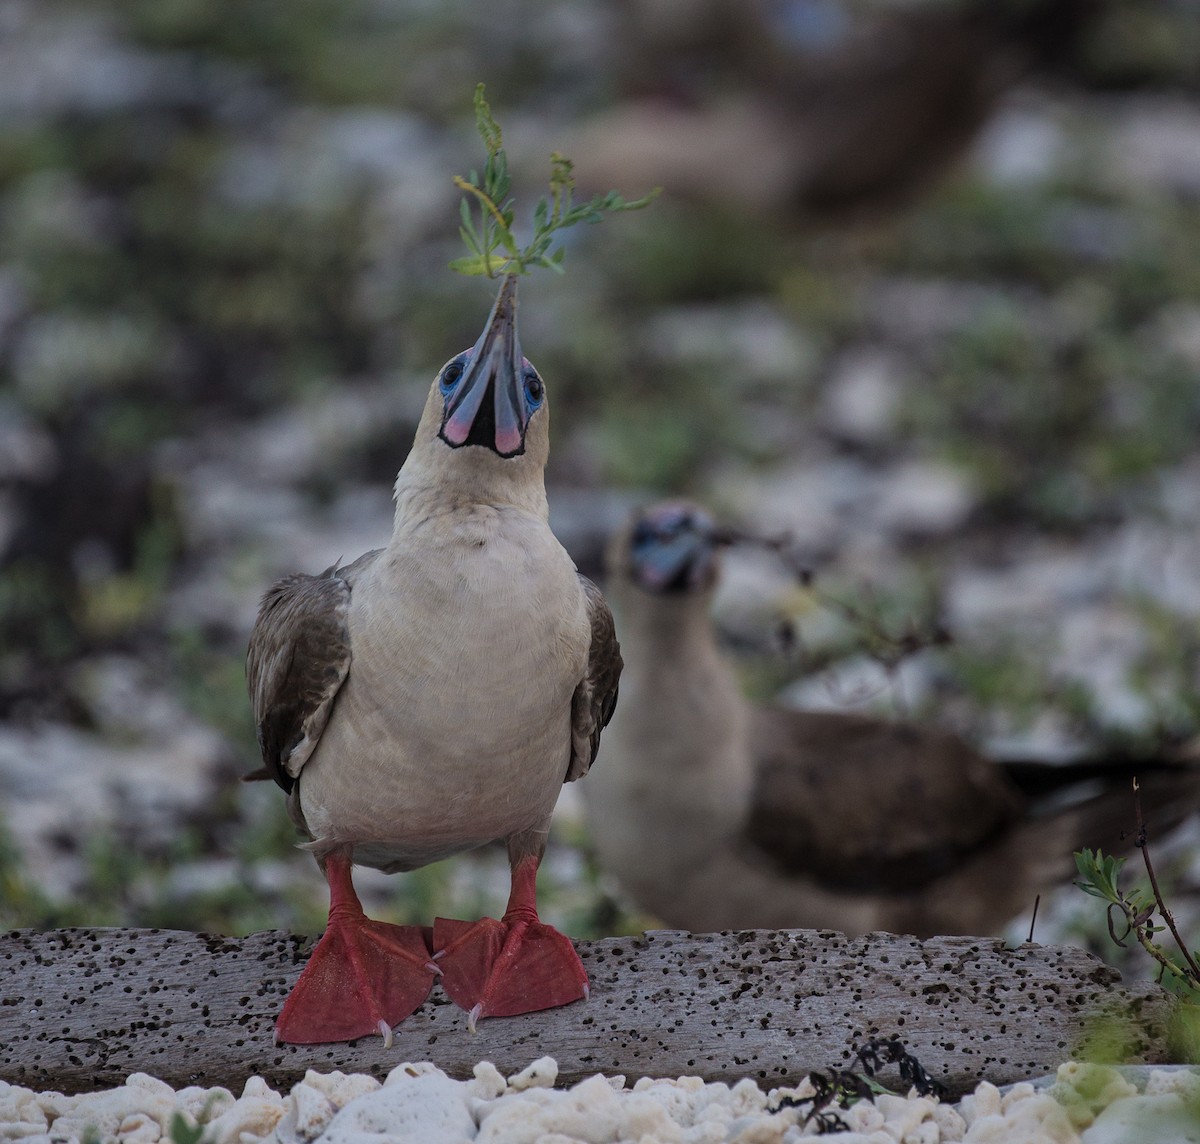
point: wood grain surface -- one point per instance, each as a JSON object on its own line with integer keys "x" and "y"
{"x": 80, "y": 1009}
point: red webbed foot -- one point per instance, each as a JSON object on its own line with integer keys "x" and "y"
{"x": 517, "y": 965}
{"x": 363, "y": 977}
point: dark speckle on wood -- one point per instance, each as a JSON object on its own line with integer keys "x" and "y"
{"x": 82, "y": 1009}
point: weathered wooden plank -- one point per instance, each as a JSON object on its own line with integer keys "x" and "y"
{"x": 81, "y": 1009}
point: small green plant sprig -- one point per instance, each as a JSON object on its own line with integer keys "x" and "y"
{"x": 1099, "y": 876}
{"x": 487, "y": 209}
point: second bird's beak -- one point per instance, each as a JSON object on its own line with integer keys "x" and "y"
{"x": 488, "y": 406}
{"x": 683, "y": 564}
{"x": 674, "y": 549}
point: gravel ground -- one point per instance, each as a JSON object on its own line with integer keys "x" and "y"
{"x": 418, "y": 1103}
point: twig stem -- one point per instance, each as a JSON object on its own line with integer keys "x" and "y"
{"x": 1163, "y": 908}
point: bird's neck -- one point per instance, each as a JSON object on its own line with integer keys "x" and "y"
{"x": 676, "y": 777}
{"x": 425, "y": 492}
{"x": 677, "y": 678}
{"x": 674, "y": 629}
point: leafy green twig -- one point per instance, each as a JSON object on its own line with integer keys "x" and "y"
{"x": 1163, "y": 909}
{"x": 486, "y": 211}
{"x": 1099, "y": 874}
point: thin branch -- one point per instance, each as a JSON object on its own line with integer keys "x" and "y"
{"x": 1163, "y": 908}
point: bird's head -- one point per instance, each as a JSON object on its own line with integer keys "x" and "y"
{"x": 670, "y": 548}
{"x": 486, "y": 417}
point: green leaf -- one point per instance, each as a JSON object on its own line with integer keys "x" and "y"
{"x": 478, "y": 265}
{"x": 487, "y": 214}
{"x": 1099, "y": 873}
{"x": 485, "y": 123}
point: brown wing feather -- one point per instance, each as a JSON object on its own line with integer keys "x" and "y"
{"x": 298, "y": 658}
{"x": 867, "y": 803}
{"x": 595, "y": 698}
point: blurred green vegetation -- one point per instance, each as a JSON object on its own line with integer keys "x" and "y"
{"x": 262, "y": 882}
{"x": 156, "y": 302}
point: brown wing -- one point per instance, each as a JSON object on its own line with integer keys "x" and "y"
{"x": 298, "y": 658}
{"x": 867, "y": 803}
{"x": 595, "y": 698}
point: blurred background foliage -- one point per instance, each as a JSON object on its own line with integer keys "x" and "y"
{"x": 224, "y": 227}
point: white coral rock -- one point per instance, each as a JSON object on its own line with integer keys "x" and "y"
{"x": 1161, "y": 1118}
{"x": 139, "y": 1129}
{"x": 308, "y": 1113}
{"x": 489, "y": 1082}
{"x": 406, "y": 1110}
{"x": 646, "y": 1118}
{"x": 341, "y": 1088}
{"x": 253, "y": 1117}
{"x": 590, "y": 1112}
{"x": 102, "y": 1113}
{"x": 21, "y": 1114}
{"x": 542, "y": 1073}
{"x": 1039, "y": 1119}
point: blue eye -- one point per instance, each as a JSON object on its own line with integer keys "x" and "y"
{"x": 450, "y": 376}
{"x": 535, "y": 389}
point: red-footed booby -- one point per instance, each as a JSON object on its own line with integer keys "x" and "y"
{"x": 714, "y": 813}
{"x": 433, "y": 696}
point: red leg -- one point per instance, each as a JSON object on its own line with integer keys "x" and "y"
{"x": 363, "y": 976}
{"x": 515, "y": 965}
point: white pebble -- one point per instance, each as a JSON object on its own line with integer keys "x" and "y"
{"x": 1167, "y": 1117}
{"x": 542, "y": 1073}
{"x": 419, "y": 1103}
{"x": 904, "y": 1116}
{"x": 757, "y": 1130}
{"x": 401, "y": 1073}
{"x": 1186, "y": 1082}
{"x": 746, "y": 1098}
{"x": 646, "y": 1118}
{"x": 951, "y": 1126}
{"x": 1039, "y": 1119}
{"x": 984, "y": 1101}
{"x": 23, "y": 1132}
{"x": 340, "y": 1088}
{"x": 103, "y": 1112}
{"x": 590, "y": 1112}
{"x": 258, "y": 1089}
{"x": 423, "y": 1108}
{"x": 308, "y": 1113}
{"x": 679, "y": 1101}
{"x": 148, "y": 1083}
{"x": 139, "y": 1129}
{"x": 21, "y": 1110}
{"x": 488, "y": 1084}
{"x": 925, "y": 1133}
{"x": 252, "y": 1117}
{"x": 862, "y": 1116}
{"x": 1085, "y": 1089}
{"x": 210, "y": 1104}
{"x": 705, "y": 1133}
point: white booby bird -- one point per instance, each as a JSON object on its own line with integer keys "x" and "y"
{"x": 714, "y": 813}
{"x": 433, "y": 696}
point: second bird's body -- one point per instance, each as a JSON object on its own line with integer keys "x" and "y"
{"x": 715, "y": 813}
